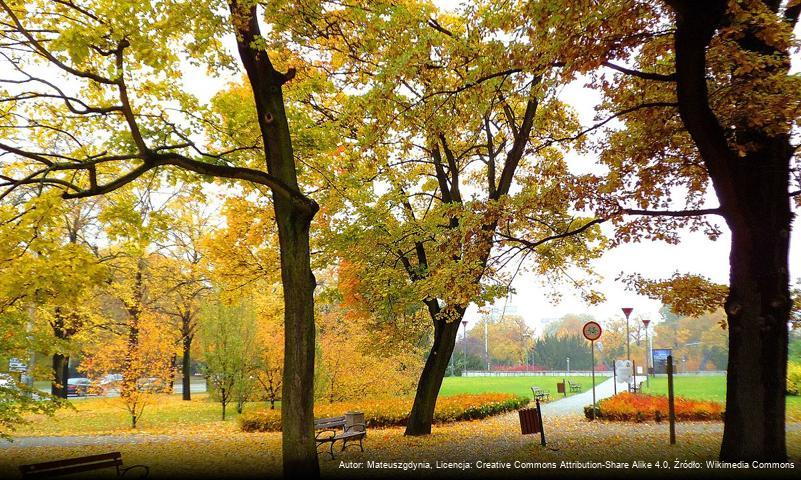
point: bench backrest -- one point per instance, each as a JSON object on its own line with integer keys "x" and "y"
{"x": 72, "y": 465}
{"x": 329, "y": 422}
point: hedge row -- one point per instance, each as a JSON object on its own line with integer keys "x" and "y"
{"x": 639, "y": 407}
{"x": 394, "y": 411}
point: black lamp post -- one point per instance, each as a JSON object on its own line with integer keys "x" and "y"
{"x": 645, "y": 322}
{"x": 627, "y": 312}
{"x": 464, "y": 346}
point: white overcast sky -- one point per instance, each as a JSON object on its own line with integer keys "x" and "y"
{"x": 695, "y": 254}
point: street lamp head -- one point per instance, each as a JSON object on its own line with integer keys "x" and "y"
{"x": 464, "y": 323}
{"x": 645, "y": 322}
{"x": 627, "y": 311}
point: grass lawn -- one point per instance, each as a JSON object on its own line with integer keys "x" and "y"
{"x": 166, "y": 414}
{"x": 696, "y": 388}
{"x": 710, "y": 388}
{"x": 517, "y": 385}
{"x": 170, "y": 414}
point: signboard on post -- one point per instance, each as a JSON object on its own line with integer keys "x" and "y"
{"x": 16, "y": 365}
{"x": 591, "y": 331}
{"x": 623, "y": 371}
{"x": 660, "y": 356}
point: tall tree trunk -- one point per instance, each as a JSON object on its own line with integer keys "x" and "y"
{"x": 186, "y": 367}
{"x": 61, "y": 363}
{"x": 173, "y": 367}
{"x": 753, "y": 195}
{"x": 224, "y": 401}
{"x": 758, "y": 309}
{"x": 293, "y": 215}
{"x": 425, "y": 399}
{"x": 297, "y": 401}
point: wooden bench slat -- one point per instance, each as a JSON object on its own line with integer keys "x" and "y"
{"x": 73, "y": 461}
{"x": 329, "y": 420}
{"x": 50, "y": 472}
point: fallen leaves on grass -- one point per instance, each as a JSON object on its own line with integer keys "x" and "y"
{"x": 207, "y": 455}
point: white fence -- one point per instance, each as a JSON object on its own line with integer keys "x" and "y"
{"x": 554, "y": 373}
{"x": 582, "y": 373}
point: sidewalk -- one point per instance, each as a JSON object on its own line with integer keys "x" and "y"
{"x": 574, "y": 404}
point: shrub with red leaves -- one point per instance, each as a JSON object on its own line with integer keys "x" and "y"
{"x": 639, "y": 407}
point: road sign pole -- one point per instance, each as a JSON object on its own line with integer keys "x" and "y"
{"x": 645, "y": 322}
{"x": 542, "y": 424}
{"x": 592, "y": 332}
{"x": 592, "y": 347}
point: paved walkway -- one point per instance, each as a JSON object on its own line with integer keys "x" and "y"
{"x": 574, "y": 404}
{"x": 84, "y": 440}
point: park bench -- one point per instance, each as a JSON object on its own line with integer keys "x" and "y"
{"x": 540, "y": 394}
{"x": 329, "y": 433}
{"x": 574, "y": 387}
{"x": 636, "y": 387}
{"x": 78, "y": 465}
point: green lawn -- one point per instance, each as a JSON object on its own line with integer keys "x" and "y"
{"x": 168, "y": 413}
{"x": 710, "y": 388}
{"x": 697, "y": 388}
{"x": 95, "y": 415}
{"x": 516, "y": 385}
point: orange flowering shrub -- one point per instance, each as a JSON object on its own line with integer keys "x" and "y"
{"x": 639, "y": 407}
{"x": 390, "y": 412}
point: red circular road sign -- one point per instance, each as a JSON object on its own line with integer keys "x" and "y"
{"x": 591, "y": 330}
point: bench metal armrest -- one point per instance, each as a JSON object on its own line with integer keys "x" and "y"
{"x": 123, "y": 471}
{"x": 331, "y": 431}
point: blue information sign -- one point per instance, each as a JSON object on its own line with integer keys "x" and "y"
{"x": 660, "y": 359}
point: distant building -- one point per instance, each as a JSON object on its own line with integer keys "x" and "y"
{"x": 496, "y": 312}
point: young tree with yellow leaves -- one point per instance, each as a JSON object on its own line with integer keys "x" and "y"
{"x": 228, "y": 341}
{"x": 142, "y": 355}
{"x": 182, "y": 277}
{"x": 269, "y": 369}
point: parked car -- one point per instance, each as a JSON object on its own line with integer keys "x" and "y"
{"x": 110, "y": 379}
{"x": 153, "y": 385}
{"x": 78, "y": 387}
{"x": 7, "y": 381}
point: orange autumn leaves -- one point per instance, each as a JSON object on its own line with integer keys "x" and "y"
{"x": 389, "y": 412}
{"x": 639, "y": 407}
